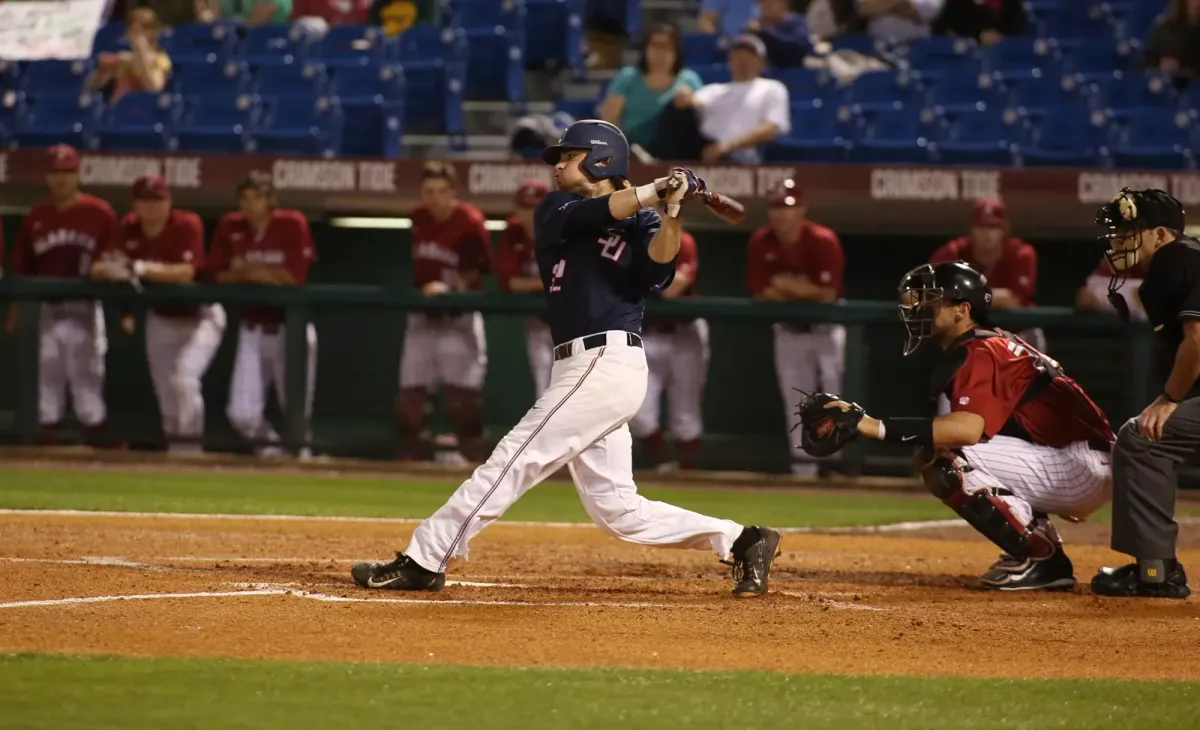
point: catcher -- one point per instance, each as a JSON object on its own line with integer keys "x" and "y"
{"x": 1021, "y": 441}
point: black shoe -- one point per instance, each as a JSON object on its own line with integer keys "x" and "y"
{"x": 753, "y": 552}
{"x": 402, "y": 574}
{"x": 1054, "y": 573}
{"x": 1126, "y": 581}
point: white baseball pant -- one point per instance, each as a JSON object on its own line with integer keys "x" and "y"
{"x": 539, "y": 346}
{"x": 808, "y": 361}
{"x": 72, "y": 343}
{"x": 580, "y": 421}
{"x": 260, "y": 362}
{"x": 678, "y": 362}
{"x": 179, "y": 351}
{"x": 443, "y": 351}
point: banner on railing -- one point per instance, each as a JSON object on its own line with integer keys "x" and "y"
{"x": 35, "y": 30}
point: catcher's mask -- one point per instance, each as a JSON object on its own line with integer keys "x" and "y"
{"x": 924, "y": 289}
{"x": 1125, "y": 218}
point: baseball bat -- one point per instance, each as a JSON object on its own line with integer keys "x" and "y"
{"x": 722, "y": 206}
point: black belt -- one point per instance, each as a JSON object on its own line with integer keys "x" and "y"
{"x": 591, "y": 342}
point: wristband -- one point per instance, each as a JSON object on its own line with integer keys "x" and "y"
{"x": 915, "y": 431}
{"x": 645, "y": 191}
{"x": 1167, "y": 397}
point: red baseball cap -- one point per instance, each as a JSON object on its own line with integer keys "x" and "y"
{"x": 531, "y": 193}
{"x": 150, "y": 187}
{"x": 786, "y": 194}
{"x": 989, "y": 212}
{"x": 63, "y": 158}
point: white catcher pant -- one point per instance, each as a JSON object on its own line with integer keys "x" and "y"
{"x": 678, "y": 363}
{"x": 259, "y": 363}
{"x": 1073, "y": 482}
{"x": 179, "y": 350}
{"x": 579, "y": 421}
{"x": 72, "y": 343}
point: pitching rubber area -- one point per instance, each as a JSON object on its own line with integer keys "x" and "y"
{"x": 900, "y": 600}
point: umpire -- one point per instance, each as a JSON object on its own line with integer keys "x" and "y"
{"x": 1146, "y": 227}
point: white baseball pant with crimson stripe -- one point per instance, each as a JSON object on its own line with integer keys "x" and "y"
{"x": 580, "y": 421}
{"x": 179, "y": 351}
{"x": 71, "y": 347}
{"x": 1073, "y": 482}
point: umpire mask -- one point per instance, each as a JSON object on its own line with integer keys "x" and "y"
{"x": 1127, "y": 216}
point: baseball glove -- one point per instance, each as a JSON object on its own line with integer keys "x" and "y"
{"x": 824, "y": 430}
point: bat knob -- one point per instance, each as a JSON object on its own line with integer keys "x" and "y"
{"x": 674, "y": 183}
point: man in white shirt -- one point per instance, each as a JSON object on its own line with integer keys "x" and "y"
{"x": 899, "y": 21}
{"x": 730, "y": 121}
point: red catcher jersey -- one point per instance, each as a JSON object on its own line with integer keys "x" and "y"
{"x": 62, "y": 243}
{"x": 180, "y": 242}
{"x": 285, "y": 243}
{"x": 1020, "y": 392}
{"x": 443, "y": 249}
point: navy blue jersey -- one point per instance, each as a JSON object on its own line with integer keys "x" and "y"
{"x": 596, "y": 270}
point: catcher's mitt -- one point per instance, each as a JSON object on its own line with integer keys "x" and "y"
{"x": 825, "y": 430}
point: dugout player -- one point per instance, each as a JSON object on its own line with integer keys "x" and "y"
{"x": 445, "y": 351}
{"x": 263, "y": 244}
{"x": 1093, "y": 295}
{"x": 59, "y": 238}
{"x": 1022, "y": 440}
{"x": 164, "y": 245}
{"x": 794, "y": 259}
{"x": 517, "y": 272}
{"x": 601, "y": 245}
{"x": 677, "y": 354}
{"x": 1145, "y": 228}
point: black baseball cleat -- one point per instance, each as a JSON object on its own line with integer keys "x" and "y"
{"x": 402, "y": 574}
{"x": 1055, "y": 573}
{"x": 1126, "y": 581}
{"x": 753, "y": 552}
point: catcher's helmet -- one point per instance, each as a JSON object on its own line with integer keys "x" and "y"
{"x": 603, "y": 142}
{"x": 928, "y": 285}
{"x": 1130, "y": 213}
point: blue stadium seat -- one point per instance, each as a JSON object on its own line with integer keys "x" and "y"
{"x": 1158, "y": 139}
{"x": 1131, "y": 91}
{"x": 291, "y": 78}
{"x": 45, "y": 119}
{"x": 1031, "y": 95}
{"x": 58, "y": 76}
{"x": 299, "y": 124}
{"x": 216, "y": 122}
{"x": 275, "y": 43}
{"x": 495, "y": 63}
{"x": 139, "y": 120}
{"x": 880, "y": 91}
{"x": 805, "y": 83}
{"x": 554, "y": 33}
{"x": 372, "y": 100}
{"x": 231, "y": 77}
{"x": 862, "y": 42}
{"x": 434, "y": 61}
{"x": 817, "y": 136}
{"x": 578, "y": 108}
{"x": 10, "y": 76}
{"x": 1068, "y": 136}
{"x": 110, "y": 38}
{"x": 978, "y": 137}
{"x": 1075, "y": 19}
{"x": 1135, "y": 26}
{"x": 943, "y": 53}
{"x": 351, "y": 45}
{"x": 616, "y": 14}
{"x": 215, "y": 41}
{"x": 961, "y": 91}
{"x": 1021, "y": 53}
{"x": 1189, "y": 98}
{"x": 1094, "y": 62}
{"x": 896, "y": 136}
{"x": 703, "y": 48}
{"x": 713, "y": 73}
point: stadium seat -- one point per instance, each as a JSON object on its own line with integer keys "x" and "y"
{"x": 805, "y": 83}
{"x": 59, "y": 77}
{"x": 371, "y": 98}
{"x": 1076, "y": 19}
{"x": 713, "y": 73}
{"x": 1094, "y": 63}
{"x": 139, "y": 120}
{"x": 1131, "y": 92}
{"x": 1021, "y": 53}
{"x": 10, "y": 76}
{"x": 216, "y": 122}
{"x": 623, "y": 15}
{"x": 215, "y": 41}
{"x": 1154, "y": 139}
{"x": 879, "y": 91}
{"x": 298, "y": 124}
{"x": 961, "y": 91}
{"x": 275, "y": 43}
{"x": 554, "y": 33}
{"x": 231, "y": 77}
{"x": 45, "y": 119}
{"x": 1031, "y": 95}
{"x": 110, "y": 38}
{"x": 495, "y": 63}
{"x": 578, "y": 108}
{"x": 892, "y": 136}
{"x": 290, "y": 78}
{"x": 978, "y": 137}
{"x": 703, "y": 48}
{"x": 1068, "y": 136}
{"x": 351, "y": 45}
{"x": 943, "y": 53}
{"x": 434, "y": 61}
{"x": 861, "y": 42}
{"x": 817, "y": 136}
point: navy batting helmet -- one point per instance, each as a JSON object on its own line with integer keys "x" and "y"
{"x": 929, "y": 285}
{"x": 607, "y": 148}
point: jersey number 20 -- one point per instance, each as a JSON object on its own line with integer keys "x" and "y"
{"x": 557, "y": 273}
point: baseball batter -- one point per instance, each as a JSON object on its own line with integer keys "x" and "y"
{"x": 165, "y": 245}
{"x": 1022, "y": 440}
{"x": 267, "y": 245}
{"x": 517, "y": 271}
{"x": 677, "y": 354}
{"x": 794, "y": 259}
{"x": 443, "y": 351}
{"x": 59, "y": 238}
{"x": 601, "y": 246}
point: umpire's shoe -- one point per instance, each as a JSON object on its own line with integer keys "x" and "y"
{"x": 402, "y": 574}
{"x": 1127, "y": 581}
{"x": 1055, "y": 573}
{"x": 753, "y": 552}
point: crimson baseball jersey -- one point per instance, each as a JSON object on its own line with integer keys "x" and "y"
{"x": 1015, "y": 270}
{"x": 687, "y": 263}
{"x": 1018, "y": 392}
{"x": 817, "y": 254}
{"x": 441, "y": 250}
{"x": 181, "y": 241}
{"x": 62, "y": 243}
{"x": 285, "y": 242}
{"x": 514, "y": 255}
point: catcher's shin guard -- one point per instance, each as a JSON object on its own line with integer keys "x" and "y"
{"x": 984, "y": 510}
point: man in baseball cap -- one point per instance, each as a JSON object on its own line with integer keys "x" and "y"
{"x": 1009, "y": 263}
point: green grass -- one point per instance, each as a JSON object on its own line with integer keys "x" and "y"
{"x": 41, "y": 691}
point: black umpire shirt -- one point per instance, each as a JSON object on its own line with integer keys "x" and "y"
{"x": 1170, "y": 294}
{"x": 596, "y": 270}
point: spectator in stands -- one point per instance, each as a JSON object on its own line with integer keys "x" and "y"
{"x": 145, "y": 67}
{"x": 248, "y": 12}
{"x": 828, "y": 19}
{"x": 784, "y": 33}
{"x": 726, "y": 17}
{"x": 333, "y": 12}
{"x": 396, "y": 16}
{"x": 1174, "y": 42}
{"x": 900, "y": 21}
{"x": 638, "y": 94}
{"x": 727, "y": 121}
{"x": 986, "y": 22}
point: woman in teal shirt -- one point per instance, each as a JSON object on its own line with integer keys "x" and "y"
{"x": 637, "y": 95}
